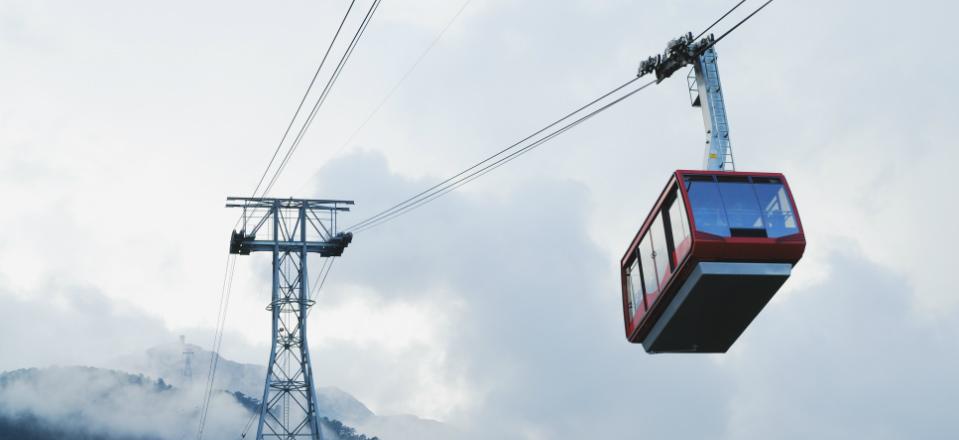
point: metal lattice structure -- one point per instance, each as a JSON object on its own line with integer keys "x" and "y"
{"x": 290, "y": 229}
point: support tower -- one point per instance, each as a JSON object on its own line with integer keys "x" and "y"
{"x": 289, "y": 229}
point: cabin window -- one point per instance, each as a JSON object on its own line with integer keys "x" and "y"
{"x": 742, "y": 207}
{"x": 707, "y": 205}
{"x": 635, "y": 290}
{"x": 645, "y": 251}
{"x": 679, "y": 226}
{"x": 660, "y": 250}
{"x": 777, "y": 211}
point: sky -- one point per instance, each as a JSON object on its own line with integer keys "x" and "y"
{"x": 124, "y": 125}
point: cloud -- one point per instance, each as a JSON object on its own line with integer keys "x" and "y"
{"x": 509, "y": 286}
{"x": 536, "y": 341}
{"x": 848, "y": 357}
{"x": 522, "y": 308}
{"x": 70, "y": 325}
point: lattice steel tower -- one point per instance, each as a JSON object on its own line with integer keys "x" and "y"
{"x": 293, "y": 228}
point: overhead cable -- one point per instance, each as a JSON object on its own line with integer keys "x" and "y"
{"x": 225, "y": 291}
{"x": 481, "y": 168}
{"x": 324, "y": 94}
{"x": 299, "y": 107}
{"x": 426, "y": 192}
{"x": 321, "y": 277}
{"x": 730, "y": 11}
{"x": 396, "y": 86}
{"x": 249, "y": 423}
{"x": 740, "y": 23}
{"x": 490, "y": 163}
{"x": 320, "y": 281}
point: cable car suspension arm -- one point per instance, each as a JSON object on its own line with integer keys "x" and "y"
{"x": 704, "y": 88}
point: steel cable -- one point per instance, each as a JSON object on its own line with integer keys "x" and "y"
{"x": 226, "y": 288}
{"x": 426, "y": 192}
{"x": 459, "y": 179}
{"x": 730, "y": 11}
{"x": 740, "y": 23}
{"x": 498, "y": 163}
{"x": 395, "y": 87}
{"x": 303, "y": 99}
{"x": 324, "y": 94}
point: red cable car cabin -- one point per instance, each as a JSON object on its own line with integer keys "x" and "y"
{"x": 710, "y": 255}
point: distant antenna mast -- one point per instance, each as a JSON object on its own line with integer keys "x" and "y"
{"x": 290, "y": 229}
{"x": 187, "y": 361}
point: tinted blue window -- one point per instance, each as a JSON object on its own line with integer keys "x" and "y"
{"x": 707, "y": 206}
{"x": 742, "y": 207}
{"x": 777, "y": 211}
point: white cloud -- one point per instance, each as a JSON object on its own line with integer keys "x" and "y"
{"x": 123, "y": 127}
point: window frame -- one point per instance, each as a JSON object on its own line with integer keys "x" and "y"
{"x": 634, "y": 286}
{"x": 696, "y": 220}
{"x": 676, "y": 201}
{"x": 643, "y": 272}
{"x": 782, "y": 196}
{"x": 666, "y": 268}
{"x": 741, "y": 190}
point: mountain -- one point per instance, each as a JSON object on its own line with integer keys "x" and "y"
{"x": 30, "y": 427}
{"x": 97, "y": 404}
{"x": 169, "y": 362}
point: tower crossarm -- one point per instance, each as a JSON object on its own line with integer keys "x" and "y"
{"x": 302, "y": 225}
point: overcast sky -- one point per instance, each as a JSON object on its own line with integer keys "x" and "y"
{"x": 124, "y": 125}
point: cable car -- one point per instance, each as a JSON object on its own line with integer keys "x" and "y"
{"x": 713, "y": 251}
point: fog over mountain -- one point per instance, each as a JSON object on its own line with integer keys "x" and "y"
{"x": 169, "y": 362}
{"x": 78, "y": 312}
{"x": 86, "y": 400}
{"x": 95, "y": 403}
